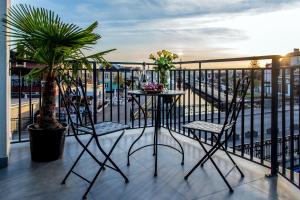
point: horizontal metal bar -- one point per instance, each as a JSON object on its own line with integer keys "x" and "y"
{"x": 231, "y": 59}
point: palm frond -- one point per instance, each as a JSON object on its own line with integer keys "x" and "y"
{"x": 46, "y": 39}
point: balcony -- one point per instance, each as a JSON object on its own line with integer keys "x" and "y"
{"x": 265, "y": 140}
{"x": 26, "y": 180}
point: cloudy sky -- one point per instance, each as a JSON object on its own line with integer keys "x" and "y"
{"x": 195, "y": 29}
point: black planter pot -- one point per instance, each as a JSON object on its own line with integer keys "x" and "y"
{"x": 46, "y": 145}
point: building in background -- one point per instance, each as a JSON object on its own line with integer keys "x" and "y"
{"x": 287, "y": 63}
{"x": 114, "y": 78}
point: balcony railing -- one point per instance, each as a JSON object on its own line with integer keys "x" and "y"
{"x": 267, "y": 131}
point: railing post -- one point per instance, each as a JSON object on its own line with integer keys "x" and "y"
{"x": 95, "y": 83}
{"x": 274, "y": 116}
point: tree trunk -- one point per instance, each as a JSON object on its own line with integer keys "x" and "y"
{"x": 47, "y": 119}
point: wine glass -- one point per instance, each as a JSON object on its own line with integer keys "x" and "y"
{"x": 139, "y": 75}
{"x": 128, "y": 83}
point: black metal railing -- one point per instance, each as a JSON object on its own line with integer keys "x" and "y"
{"x": 267, "y": 131}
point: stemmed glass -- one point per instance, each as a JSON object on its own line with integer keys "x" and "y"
{"x": 142, "y": 78}
{"x": 128, "y": 83}
{"x": 139, "y": 80}
{"x": 139, "y": 74}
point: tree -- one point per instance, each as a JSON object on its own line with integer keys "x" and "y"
{"x": 42, "y": 37}
{"x": 254, "y": 64}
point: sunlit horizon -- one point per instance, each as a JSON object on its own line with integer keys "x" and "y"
{"x": 196, "y": 29}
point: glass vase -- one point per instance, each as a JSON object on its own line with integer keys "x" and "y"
{"x": 164, "y": 78}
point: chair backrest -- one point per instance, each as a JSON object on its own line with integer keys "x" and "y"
{"x": 237, "y": 103}
{"x": 77, "y": 105}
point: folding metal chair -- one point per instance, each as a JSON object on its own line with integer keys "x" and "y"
{"x": 218, "y": 131}
{"x": 74, "y": 98}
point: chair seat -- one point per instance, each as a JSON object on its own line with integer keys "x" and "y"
{"x": 207, "y": 126}
{"x": 104, "y": 128}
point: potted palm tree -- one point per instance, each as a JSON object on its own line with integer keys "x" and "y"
{"x": 40, "y": 36}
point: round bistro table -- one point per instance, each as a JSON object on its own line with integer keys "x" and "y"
{"x": 173, "y": 94}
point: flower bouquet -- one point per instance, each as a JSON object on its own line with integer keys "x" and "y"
{"x": 164, "y": 63}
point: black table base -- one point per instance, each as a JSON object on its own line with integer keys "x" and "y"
{"x": 157, "y": 127}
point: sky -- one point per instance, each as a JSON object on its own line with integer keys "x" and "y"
{"x": 194, "y": 29}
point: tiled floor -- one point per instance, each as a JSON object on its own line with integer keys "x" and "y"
{"x": 24, "y": 179}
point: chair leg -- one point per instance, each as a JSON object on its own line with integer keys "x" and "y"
{"x": 94, "y": 179}
{"x": 218, "y": 170}
{"x": 219, "y": 145}
{"x": 210, "y": 152}
{"x": 223, "y": 148}
{"x": 75, "y": 163}
{"x": 112, "y": 162}
{"x": 202, "y": 159}
{"x": 237, "y": 167}
{"x": 207, "y": 153}
{"x": 102, "y": 164}
{"x": 78, "y": 158}
{"x": 107, "y": 158}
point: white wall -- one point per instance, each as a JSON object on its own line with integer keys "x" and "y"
{"x": 4, "y": 90}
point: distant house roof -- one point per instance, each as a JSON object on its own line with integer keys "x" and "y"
{"x": 117, "y": 67}
{"x": 15, "y": 63}
{"x": 289, "y": 59}
{"x": 296, "y": 52}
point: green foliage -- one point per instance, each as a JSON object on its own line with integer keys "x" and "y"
{"x": 40, "y": 36}
{"x": 254, "y": 64}
{"x": 163, "y": 60}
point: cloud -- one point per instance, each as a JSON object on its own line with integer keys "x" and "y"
{"x": 195, "y": 27}
{"x": 153, "y": 9}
